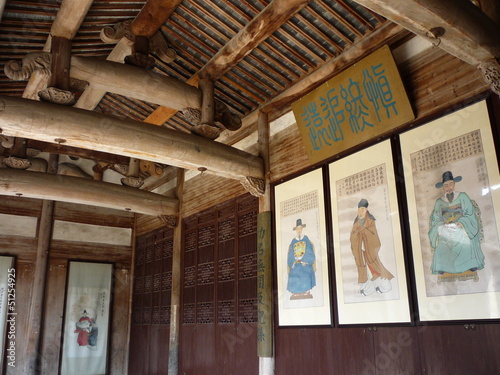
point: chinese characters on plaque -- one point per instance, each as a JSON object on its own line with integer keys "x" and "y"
{"x": 360, "y": 103}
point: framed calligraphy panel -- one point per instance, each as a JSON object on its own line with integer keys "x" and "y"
{"x": 301, "y": 252}
{"x": 370, "y": 271}
{"x": 359, "y": 104}
{"x": 453, "y": 194}
{"x": 86, "y": 319}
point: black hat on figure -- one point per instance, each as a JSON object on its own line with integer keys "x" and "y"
{"x": 363, "y": 203}
{"x": 299, "y": 224}
{"x": 448, "y": 176}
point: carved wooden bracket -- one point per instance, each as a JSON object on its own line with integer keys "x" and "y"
{"x": 42, "y": 62}
{"x": 17, "y": 163}
{"x": 135, "y": 182}
{"x": 254, "y": 186}
{"x": 57, "y": 96}
{"x": 157, "y": 43}
{"x": 491, "y": 74}
{"x": 21, "y": 71}
{"x": 224, "y": 119}
{"x": 169, "y": 220}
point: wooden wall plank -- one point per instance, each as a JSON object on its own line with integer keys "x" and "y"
{"x": 396, "y": 351}
{"x": 53, "y": 319}
{"x": 147, "y": 224}
{"x": 24, "y": 281}
{"x": 64, "y": 250}
{"x": 119, "y": 324}
{"x": 298, "y": 359}
{"x": 23, "y": 248}
{"x": 78, "y": 213}
{"x": 20, "y": 206}
{"x": 454, "y": 350}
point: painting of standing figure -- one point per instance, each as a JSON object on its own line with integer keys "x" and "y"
{"x": 303, "y": 285}
{"x": 370, "y": 272}
{"x": 301, "y": 264}
{"x": 365, "y": 246}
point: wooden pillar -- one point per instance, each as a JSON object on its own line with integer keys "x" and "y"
{"x": 61, "y": 57}
{"x": 175, "y": 299}
{"x": 206, "y": 85}
{"x": 264, "y": 259}
{"x": 36, "y": 308}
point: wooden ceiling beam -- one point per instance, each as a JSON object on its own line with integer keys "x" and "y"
{"x": 91, "y": 130}
{"x": 135, "y": 82}
{"x": 69, "y": 189}
{"x": 53, "y": 148}
{"x": 154, "y": 14}
{"x": 466, "y": 32}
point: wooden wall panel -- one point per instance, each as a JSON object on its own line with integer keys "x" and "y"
{"x": 120, "y": 321}
{"x": 24, "y": 249}
{"x": 53, "y": 319}
{"x": 149, "y": 340}
{"x": 24, "y": 281}
{"x": 219, "y": 289}
{"x": 93, "y": 215}
{"x": 455, "y": 350}
{"x": 204, "y": 192}
{"x": 396, "y": 351}
{"x": 20, "y": 206}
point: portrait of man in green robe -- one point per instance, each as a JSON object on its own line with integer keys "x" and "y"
{"x": 455, "y": 230}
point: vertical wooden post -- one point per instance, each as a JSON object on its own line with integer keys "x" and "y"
{"x": 265, "y": 337}
{"x": 61, "y": 57}
{"x": 175, "y": 299}
{"x": 36, "y": 308}
{"x": 207, "y": 117}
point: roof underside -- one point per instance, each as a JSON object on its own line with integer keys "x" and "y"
{"x": 197, "y": 30}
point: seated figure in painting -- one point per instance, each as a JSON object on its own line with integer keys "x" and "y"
{"x": 301, "y": 265}
{"x": 455, "y": 230}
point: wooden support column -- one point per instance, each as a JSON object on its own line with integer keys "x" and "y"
{"x": 175, "y": 299}
{"x": 264, "y": 259}
{"x": 61, "y": 57}
{"x": 44, "y": 235}
{"x": 207, "y": 101}
{"x": 206, "y": 127}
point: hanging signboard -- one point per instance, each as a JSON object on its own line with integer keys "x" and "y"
{"x": 361, "y": 103}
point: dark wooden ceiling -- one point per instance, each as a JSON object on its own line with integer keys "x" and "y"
{"x": 322, "y": 34}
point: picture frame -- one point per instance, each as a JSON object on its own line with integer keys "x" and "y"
{"x": 7, "y": 311}
{"x": 455, "y": 238}
{"x": 303, "y": 280}
{"x": 87, "y": 319}
{"x": 370, "y": 268}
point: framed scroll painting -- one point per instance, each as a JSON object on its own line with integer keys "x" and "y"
{"x": 86, "y": 322}
{"x": 370, "y": 272}
{"x": 453, "y": 192}
{"x": 301, "y": 252}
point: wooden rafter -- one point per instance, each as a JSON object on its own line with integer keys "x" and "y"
{"x": 262, "y": 26}
{"x": 152, "y": 16}
{"x": 466, "y": 32}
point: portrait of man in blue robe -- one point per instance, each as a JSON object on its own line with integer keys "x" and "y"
{"x": 301, "y": 264}
{"x": 455, "y": 230}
